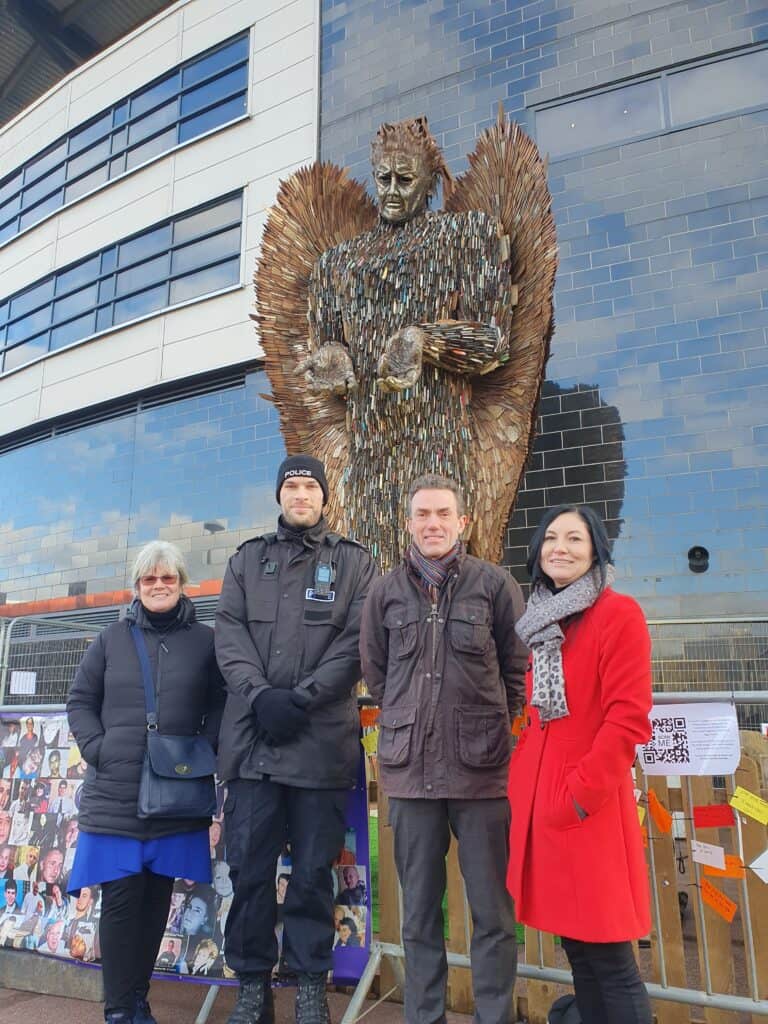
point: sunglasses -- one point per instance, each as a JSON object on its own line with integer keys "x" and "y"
{"x": 150, "y": 581}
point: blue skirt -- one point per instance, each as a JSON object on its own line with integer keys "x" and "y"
{"x": 103, "y": 858}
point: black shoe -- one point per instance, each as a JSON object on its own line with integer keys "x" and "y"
{"x": 255, "y": 1004}
{"x": 142, "y": 1014}
{"x": 118, "y": 1017}
{"x": 311, "y": 1001}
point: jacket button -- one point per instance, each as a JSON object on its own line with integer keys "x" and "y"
{"x": 394, "y": 721}
{"x": 429, "y": 675}
{"x": 261, "y": 764}
{"x": 399, "y": 622}
{"x": 277, "y": 652}
{"x": 429, "y": 787}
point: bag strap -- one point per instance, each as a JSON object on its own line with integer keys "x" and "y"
{"x": 146, "y": 673}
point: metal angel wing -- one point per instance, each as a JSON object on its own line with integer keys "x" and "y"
{"x": 316, "y": 208}
{"x": 507, "y": 179}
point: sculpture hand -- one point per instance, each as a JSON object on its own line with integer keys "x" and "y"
{"x": 399, "y": 365}
{"x": 329, "y": 371}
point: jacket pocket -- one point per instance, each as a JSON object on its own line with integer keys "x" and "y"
{"x": 261, "y": 609}
{"x": 395, "y": 735}
{"x": 468, "y": 628}
{"x": 482, "y": 736}
{"x": 402, "y": 625}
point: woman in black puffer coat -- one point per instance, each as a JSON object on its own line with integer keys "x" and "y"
{"x": 136, "y": 860}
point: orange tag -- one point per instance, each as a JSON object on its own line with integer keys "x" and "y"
{"x": 644, "y": 834}
{"x": 662, "y": 819}
{"x": 718, "y": 901}
{"x": 518, "y": 725}
{"x": 734, "y": 868}
{"x": 368, "y": 717}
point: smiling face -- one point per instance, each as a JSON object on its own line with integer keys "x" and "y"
{"x": 566, "y": 551}
{"x": 435, "y": 524}
{"x": 402, "y": 185}
{"x": 301, "y": 501}
{"x": 350, "y": 876}
{"x": 160, "y": 589}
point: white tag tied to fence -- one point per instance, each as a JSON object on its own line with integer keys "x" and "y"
{"x": 23, "y": 683}
{"x": 692, "y": 739}
{"x": 760, "y": 866}
{"x": 709, "y": 854}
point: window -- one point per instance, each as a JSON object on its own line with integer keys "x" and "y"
{"x": 690, "y": 95}
{"x": 186, "y": 257}
{"x": 198, "y": 96}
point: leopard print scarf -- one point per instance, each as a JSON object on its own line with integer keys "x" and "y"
{"x": 538, "y": 627}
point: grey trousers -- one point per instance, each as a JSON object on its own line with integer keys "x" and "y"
{"x": 422, "y": 833}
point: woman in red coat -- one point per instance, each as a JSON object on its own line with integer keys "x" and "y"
{"x": 576, "y": 862}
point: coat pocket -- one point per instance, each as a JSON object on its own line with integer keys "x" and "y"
{"x": 483, "y": 739}
{"x": 396, "y": 727}
{"x": 468, "y": 628}
{"x": 402, "y": 625}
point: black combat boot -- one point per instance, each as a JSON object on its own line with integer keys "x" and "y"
{"x": 255, "y": 1004}
{"x": 311, "y": 1002}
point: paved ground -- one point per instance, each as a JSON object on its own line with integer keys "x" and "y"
{"x": 176, "y": 1003}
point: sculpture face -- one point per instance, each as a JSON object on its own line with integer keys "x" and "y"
{"x": 402, "y": 185}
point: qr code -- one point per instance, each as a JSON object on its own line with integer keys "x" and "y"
{"x": 669, "y": 742}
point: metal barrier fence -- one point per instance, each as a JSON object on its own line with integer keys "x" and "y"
{"x": 39, "y": 658}
{"x": 693, "y": 957}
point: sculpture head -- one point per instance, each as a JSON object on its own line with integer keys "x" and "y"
{"x": 407, "y": 164}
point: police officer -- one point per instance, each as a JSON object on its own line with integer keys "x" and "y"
{"x": 287, "y": 629}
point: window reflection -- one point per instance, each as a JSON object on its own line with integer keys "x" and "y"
{"x": 209, "y": 280}
{"x": 601, "y": 119}
{"x": 138, "y": 305}
{"x": 25, "y": 353}
{"x": 719, "y": 88}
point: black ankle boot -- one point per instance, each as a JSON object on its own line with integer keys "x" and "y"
{"x": 255, "y": 1004}
{"x": 311, "y": 1001}
{"x": 143, "y": 1012}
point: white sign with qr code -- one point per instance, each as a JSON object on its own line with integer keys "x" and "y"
{"x": 691, "y": 739}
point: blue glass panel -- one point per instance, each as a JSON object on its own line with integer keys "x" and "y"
{"x": 205, "y": 66}
{"x": 44, "y": 163}
{"x": 142, "y": 275}
{"x": 227, "y": 243}
{"x": 10, "y": 187}
{"x": 3, "y": 312}
{"x": 44, "y": 187}
{"x": 32, "y": 297}
{"x": 600, "y": 120}
{"x": 120, "y": 114}
{"x": 92, "y": 156}
{"x": 91, "y": 133}
{"x": 9, "y": 230}
{"x": 107, "y": 289}
{"x": 25, "y": 353}
{"x": 75, "y": 303}
{"x": 81, "y": 274}
{"x": 205, "y": 281}
{"x": 41, "y": 210}
{"x": 86, "y": 184}
{"x": 207, "y": 220}
{"x": 120, "y": 140}
{"x": 109, "y": 259}
{"x": 719, "y": 88}
{"x": 104, "y": 318}
{"x": 19, "y": 330}
{"x": 153, "y": 122}
{"x": 154, "y": 147}
{"x": 217, "y": 89}
{"x": 117, "y": 166}
{"x": 11, "y": 208}
{"x": 138, "y": 305}
{"x": 73, "y": 331}
{"x": 155, "y": 94}
{"x": 211, "y": 119}
{"x": 145, "y": 245}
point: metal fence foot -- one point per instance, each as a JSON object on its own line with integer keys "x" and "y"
{"x": 363, "y": 986}
{"x": 205, "y": 1009}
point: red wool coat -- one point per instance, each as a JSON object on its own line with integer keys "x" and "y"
{"x": 586, "y": 879}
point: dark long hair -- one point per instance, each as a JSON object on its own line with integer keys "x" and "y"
{"x": 601, "y": 545}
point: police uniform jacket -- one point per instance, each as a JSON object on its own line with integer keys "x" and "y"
{"x": 447, "y": 676}
{"x": 272, "y": 631}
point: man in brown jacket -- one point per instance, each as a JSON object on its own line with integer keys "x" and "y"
{"x": 441, "y": 656}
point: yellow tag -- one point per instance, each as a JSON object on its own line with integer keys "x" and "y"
{"x": 750, "y": 804}
{"x": 640, "y": 814}
{"x": 370, "y": 742}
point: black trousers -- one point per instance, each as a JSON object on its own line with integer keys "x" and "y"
{"x": 607, "y": 983}
{"x": 260, "y": 817}
{"x": 134, "y": 912}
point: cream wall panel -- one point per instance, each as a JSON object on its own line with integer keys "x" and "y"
{"x": 107, "y": 350}
{"x": 215, "y": 349}
{"x": 299, "y": 79}
{"x": 284, "y": 23}
{"x": 272, "y": 59}
{"x": 222, "y": 311}
{"x": 26, "y": 136}
{"x": 270, "y": 124}
{"x": 227, "y": 20}
{"x": 100, "y": 385}
{"x": 30, "y": 258}
{"x": 21, "y": 412}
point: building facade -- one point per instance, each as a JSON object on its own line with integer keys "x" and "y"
{"x": 136, "y": 408}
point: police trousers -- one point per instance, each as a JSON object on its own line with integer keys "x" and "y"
{"x": 261, "y": 817}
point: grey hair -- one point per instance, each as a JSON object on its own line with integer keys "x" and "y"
{"x": 435, "y": 482}
{"x": 157, "y": 554}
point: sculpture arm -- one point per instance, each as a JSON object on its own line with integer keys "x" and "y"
{"x": 328, "y": 367}
{"x": 458, "y": 346}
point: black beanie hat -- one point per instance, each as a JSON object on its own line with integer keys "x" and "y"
{"x": 301, "y": 465}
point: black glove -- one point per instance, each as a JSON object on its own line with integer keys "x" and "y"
{"x": 279, "y": 715}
